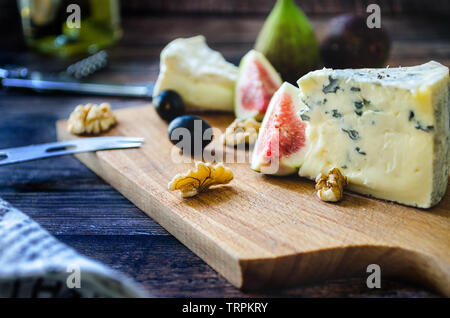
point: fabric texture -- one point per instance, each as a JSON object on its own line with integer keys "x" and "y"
{"x": 33, "y": 263}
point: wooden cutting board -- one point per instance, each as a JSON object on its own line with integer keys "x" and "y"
{"x": 262, "y": 231}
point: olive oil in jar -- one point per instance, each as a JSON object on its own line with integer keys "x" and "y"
{"x": 70, "y": 27}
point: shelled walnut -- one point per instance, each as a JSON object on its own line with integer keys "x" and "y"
{"x": 331, "y": 187}
{"x": 200, "y": 178}
{"x": 91, "y": 119}
{"x": 241, "y": 131}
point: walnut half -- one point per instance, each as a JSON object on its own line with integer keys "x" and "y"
{"x": 200, "y": 178}
{"x": 241, "y": 131}
{"x": 91, "y": 119}
{"x": 331, "y": 187}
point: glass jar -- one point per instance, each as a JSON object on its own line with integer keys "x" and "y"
{"x": 70, "y": 27}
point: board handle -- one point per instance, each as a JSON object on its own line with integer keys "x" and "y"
{"x": 343, "y": 262}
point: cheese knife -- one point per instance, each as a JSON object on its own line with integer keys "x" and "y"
{"x": 53, "y": 149}
{"x": 84, "y": 88}
{"x": 67, "y": 81}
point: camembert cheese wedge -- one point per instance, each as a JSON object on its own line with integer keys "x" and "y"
{"x": 387, "y": 130}
{"x": 202, "y": 77}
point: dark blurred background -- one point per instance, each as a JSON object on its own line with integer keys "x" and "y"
{"x": 418, "y": 27}
{"x": 262, "y": 7}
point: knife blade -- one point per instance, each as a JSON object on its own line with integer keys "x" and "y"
{"x": 61, "y": 148}
{"x": 103, "y": 89}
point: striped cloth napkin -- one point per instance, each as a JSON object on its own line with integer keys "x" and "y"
{"x": 33, "y": 263}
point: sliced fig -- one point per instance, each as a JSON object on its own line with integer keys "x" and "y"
{"x": 280, "y": 147}
{"x": 256, "y": 84}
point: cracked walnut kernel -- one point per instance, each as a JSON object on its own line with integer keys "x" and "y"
{"x": 331, "y": 187}
{"x": 200, "y": 178}
{"x": 91, "y": 119}
{"x": 241, "y": 131}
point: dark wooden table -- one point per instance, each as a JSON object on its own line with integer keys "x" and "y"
{"x": 83, "y": 211}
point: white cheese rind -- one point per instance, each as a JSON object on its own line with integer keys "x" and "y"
{"x": 387, "y": 130}
{"x": 202, "y": 77}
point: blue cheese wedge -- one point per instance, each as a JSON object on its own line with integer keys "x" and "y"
{"x": 202, "y": 77}
{"x": 387, "y": 130}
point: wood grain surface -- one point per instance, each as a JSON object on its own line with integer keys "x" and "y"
{"x": 83, "y": 211}
{"x": 262, "y": 231}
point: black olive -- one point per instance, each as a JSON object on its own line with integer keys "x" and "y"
{"x": 169, "y": 105}
{"x": 190, "y": 133}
